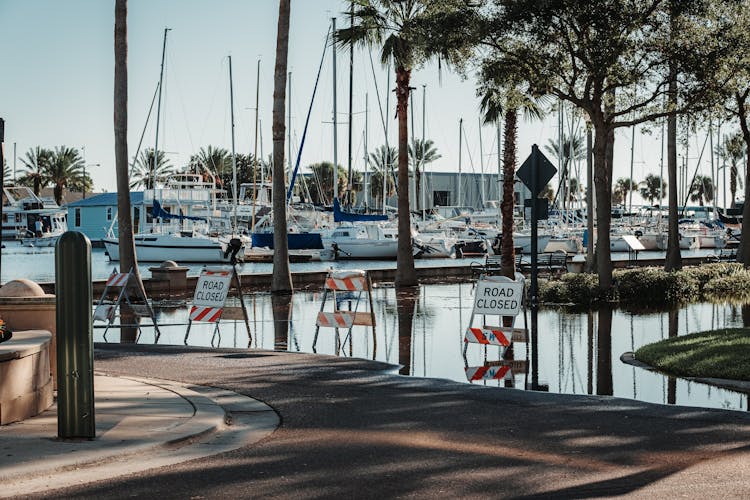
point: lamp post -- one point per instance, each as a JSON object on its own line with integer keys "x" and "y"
{"x": 84, "y": 176}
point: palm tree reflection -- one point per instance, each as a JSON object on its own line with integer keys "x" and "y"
{"x": 281, "y": 305}
{"x": 604, "y": 353}
{"x": 406, "y": 301}
{"x": 671, "y": 381}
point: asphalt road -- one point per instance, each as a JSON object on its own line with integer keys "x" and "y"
{"x": 353, "y": 429}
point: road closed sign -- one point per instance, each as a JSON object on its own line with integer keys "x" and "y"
{"x": 212, "y": 288}
{"x": 498, "y": 295}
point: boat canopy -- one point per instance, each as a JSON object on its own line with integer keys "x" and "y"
{"x": 158, "y": 211}
{"x": 341, "y": 216}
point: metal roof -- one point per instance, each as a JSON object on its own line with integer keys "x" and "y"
{"x": 106, "y": 200}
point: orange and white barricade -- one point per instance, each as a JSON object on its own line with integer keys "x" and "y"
{"x": 209, "y": 300}
{"x": 106, "y": 310}
{"x": 345, "y": 286}
{"x": 496, "y": 297}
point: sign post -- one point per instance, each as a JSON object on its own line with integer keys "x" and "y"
{"x": 535, "y": 172}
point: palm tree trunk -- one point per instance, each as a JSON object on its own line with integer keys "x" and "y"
{"x": 405, "y": 274}
{"x": 743, "y": 252}
{"x": 673, "y": 260}
{"x": 603, "y": 191}
{"x": 508, "y": 255}
{"x": 281, "y": 282}
{"x": 124, "y": 221}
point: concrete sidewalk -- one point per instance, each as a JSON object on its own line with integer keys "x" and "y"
{"x": 140, "y": 424}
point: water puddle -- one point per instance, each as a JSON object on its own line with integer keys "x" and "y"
{"x": 579, "y": 353}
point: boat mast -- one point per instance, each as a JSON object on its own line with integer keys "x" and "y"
{"x": 351, "y": 101}
{"x": 460, "y": 147}
{"x": 500, "y": 179}
{"x": 387, "y": 167}
{"x": 255, "y": 148}
{"x": 234, "y": 157}
{"x": 481, "y": 164}
{"x": 630, "y": 183}
{"x": 423, "y": 178}
{"x": 367, "y": 163}
{"x": 335, "y": 111}
{"x": 289, "y": 132}
{"x": 158, "y": 112}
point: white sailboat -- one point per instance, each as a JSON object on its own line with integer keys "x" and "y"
{"x": 184, "y": 237}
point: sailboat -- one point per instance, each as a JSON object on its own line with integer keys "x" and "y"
{"x": 185, "y": 237}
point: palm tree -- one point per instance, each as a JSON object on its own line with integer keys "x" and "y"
{"x": 702, "y": 189}
{"x": 506, "y": 102}
{"x": 421, "y": 154}
{"x": 652, "y": 188}
{"x": 401, "y": 30}
{"x": 144, "y": 175}
{"x": 217, "y": 161}
{"x": 281, "y": 281}
{"x": 570, "y": 152}
{"x": 323, "y": 175}
{"x": 733, "y": 150}
{"x": 382, "y": 161}
{"x": 622, "y": 187}
{"x": 126, "y": 242}
{"x": 36, "y": 162}
{"x": 65, "y": 168}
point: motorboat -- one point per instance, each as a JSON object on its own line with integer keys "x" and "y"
{"x": 362, "y": 241}
{"x": 21, "y": 210}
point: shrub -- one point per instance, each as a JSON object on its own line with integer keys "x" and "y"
{"x": 583, "y": 288}
{"x": 573, "y": 288}
{"x": 553, "y": 292}
{"x": 707, "y": 272}
{"x": 733, "y": 287}
{"x": 654, "y": 287}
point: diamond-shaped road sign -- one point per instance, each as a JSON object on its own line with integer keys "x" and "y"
{"x": 545, "y": 171}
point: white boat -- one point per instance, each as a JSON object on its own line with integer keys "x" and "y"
{"x": 524, "y": 242}
{"x": 362, "y": 241}
{"x": 181, "y": 247}
{"x": 22, "y": 208}
{"x": 435, "y": 244}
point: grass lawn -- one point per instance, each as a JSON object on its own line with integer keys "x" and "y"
{"x": 719, "y": 353}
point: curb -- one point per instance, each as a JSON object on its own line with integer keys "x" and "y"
{"x": 722, "y": 383}
{"x": 221, "y": 421}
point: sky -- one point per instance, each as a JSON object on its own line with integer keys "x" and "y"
{"x": 57, "y": 69}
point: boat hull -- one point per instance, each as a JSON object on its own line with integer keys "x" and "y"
{"x": 196, "y": 251}
{"x": 364, "y": 249}
{"x": 296, "y": 241}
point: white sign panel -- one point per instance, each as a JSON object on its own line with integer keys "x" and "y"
{"x": 499, "y": 296}
{"x": 212, "y": 288}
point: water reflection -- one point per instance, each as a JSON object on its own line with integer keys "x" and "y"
{"x": 281, "y": 305}
{"x": 423, "y": 332}
{"x": 406, "y": 303}
{"x": 674, "y": 316}
{"x": 604, "y": 385}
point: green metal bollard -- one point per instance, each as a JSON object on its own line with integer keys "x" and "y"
{"x": 75, "y": 339}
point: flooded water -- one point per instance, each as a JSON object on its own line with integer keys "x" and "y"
{"x": 38, "y": 264}
{"x": 579, "y": 353}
